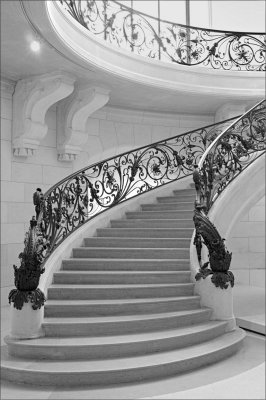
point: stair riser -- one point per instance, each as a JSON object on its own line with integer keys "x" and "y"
{"x": 84, "y": 252}
{"x": 157, "y": 223}
{"x": 84, "y": 352}
{"x": 129, "y": 265}
{"x": 77, "y": 278}
{"x": 145, "y": 233}
{"x": 177, "y": 199}
{"x": 119, "y": 309}
{"x": 136, "y": 243}
{"x": 185, "y": 192}
{"x": 168, "y": 207}
{"x": 120, "y": 328}
{"x": 161, "y": 214}
{"x": 117, "y": 293}
{"x": 124, "y": 375}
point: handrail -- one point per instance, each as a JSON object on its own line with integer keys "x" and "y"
{"x": 231, "y": 152}
{"x": 138, "y": 32}
{"x": 227, "y": 156}
{"x": 92, "y": 190}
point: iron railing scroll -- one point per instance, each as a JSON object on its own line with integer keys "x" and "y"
{"x": 85, "y": 194}
{"x": 227, "y": 156}
{"x": 127, "y": 28}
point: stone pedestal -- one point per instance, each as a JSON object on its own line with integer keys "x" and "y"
{"x": 26, "y": 323}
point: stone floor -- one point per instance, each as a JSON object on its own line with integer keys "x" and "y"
{"x": 239, "y": 377}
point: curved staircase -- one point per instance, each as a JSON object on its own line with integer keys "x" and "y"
{"x": 123, "y": 309}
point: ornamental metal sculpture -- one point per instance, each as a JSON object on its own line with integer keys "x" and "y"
{"x": 28, "y": 274}
{"x": 230, "y": 153}
{"x": 151, "y": 37}
{"x": 219, "y": 257}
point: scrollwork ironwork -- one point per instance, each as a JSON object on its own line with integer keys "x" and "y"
{"x": 181, "y": 44}
{"x": 28, "y": 274}
{"x": 228, "y": 155}
{"x": 219, "y": 257}
{"x": 85, "y": 194}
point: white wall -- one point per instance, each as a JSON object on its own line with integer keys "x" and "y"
{"x": 247, "y": 243}
{"x": 110, "y": 131}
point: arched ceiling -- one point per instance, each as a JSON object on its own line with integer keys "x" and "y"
{"x": 18, "y": 62}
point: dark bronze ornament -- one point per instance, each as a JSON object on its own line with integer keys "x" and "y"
{"x": 28, "y": 274}
{"x": 219, "y": 257}
{"x": 126, "y": 28}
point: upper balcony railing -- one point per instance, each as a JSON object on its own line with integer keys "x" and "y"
{"x": 147, "y": 36}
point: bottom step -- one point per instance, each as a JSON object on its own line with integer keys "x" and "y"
{"x": 120, "y": 370}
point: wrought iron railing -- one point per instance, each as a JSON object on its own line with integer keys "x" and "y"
{"x": 162, "y": 40}
{"x": 85, "y": 194}
{"x": 232, "y": 152}
{"x": 227, "y": 156}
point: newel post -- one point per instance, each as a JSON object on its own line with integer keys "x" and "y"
{"x": 27, "y": 300}
{"x": 213, "y": 280}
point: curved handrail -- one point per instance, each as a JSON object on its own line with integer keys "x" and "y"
{"x": 94, "y": 189}
{"x": 163, "y": 40}
{"x": 231, "y": 152}
{"x": 227, "y": 156}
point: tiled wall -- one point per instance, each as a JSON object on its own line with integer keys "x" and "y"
{"x": 247, "y": 243}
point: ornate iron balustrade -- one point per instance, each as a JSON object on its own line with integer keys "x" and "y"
{"x": 162, "y": 40}
{"x": 85, "y": 194}
{"x": 233, "y": 151}
{"x": 227, "y": 156}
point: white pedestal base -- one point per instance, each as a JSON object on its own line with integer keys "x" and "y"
{"x": 219, "y": 300}
{"x": 26, "y": 323}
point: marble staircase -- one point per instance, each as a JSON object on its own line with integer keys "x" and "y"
{"x": 123, "y": 309}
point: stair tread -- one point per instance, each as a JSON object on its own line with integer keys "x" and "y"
{"x": 129, "y": 248}
{"x": 115, "y": 286}
{"x": 125, "y": 363}
{"x": 120, "y": 301}
{"x": 116, "y": 339}
{"x": 104, "y": 273}
{"x": 135, "y": 239}
{"x": 123, "y": 318}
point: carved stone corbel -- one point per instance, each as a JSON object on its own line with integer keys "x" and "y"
{"x": 31, "y": 100}
{"x": 72, "y": 116}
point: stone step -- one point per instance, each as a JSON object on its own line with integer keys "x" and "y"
{"x": 137, "y": 242}
{"x": 106, "y": 347}
{"x": 90, "y": 308}
{"x": 129, "y": 253}
{"x": 123, "y": 324}
{"x": 120, "y": 370}
{"x": 119, "y": 264}
{"x": 168, "y": 206}
{"x": 185, "y": 192}
{"x": 86, "y": 292}
{"x": 145, "y": 232}
{"x": 175, "y": 214}
{"x": 103, "y": 277}
{"x": 153, "y": 223}
{"x": 177, "y": 199}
